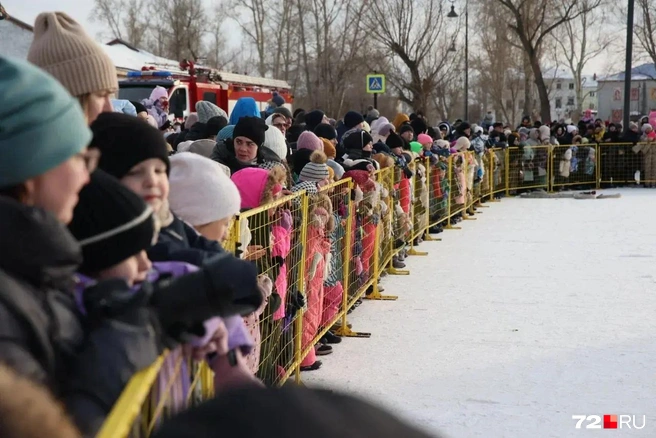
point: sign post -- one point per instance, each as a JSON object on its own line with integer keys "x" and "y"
{"x": 375, "y": 86}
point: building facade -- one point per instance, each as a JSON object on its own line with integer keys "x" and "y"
{"x": 643, "y": 94}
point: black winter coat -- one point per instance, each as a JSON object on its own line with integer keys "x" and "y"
{"x": 179, "y": 242}
{"x": 86, "y": 364}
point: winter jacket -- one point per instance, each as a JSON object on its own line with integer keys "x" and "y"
{"x": 282, "y": 243}
{"x": 224, "y": 153}
{"x": 630, "y": 137}
{"x": 180, "y": 242}
{"x": 42, "y": 334}
{"x": 565, "y": 163}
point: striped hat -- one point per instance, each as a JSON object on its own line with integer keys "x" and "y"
{"x": 317, "y": 169}
{"x": 111, "y": 223}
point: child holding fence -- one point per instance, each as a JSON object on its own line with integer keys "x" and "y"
{"x": 136, "y": 153}
{"x": 115, "y": 229}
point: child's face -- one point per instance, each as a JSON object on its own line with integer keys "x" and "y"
{"x": 217, "y": 230}
{"x": 133, "y": 270}
{"x": 148, "y": 179}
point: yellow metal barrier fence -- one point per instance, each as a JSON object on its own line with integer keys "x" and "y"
{"x": 331, "y": 247}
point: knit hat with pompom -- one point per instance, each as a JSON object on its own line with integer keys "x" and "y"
{"x": 317, "y": 169}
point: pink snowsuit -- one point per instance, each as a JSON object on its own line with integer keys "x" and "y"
{"x": 316, "y": 244}
{"x": 282, "y": 242}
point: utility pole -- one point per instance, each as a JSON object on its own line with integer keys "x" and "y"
{"x": 627, "y": 67}
{"x": 467, "y": 61}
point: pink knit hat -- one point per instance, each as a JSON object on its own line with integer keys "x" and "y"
{"x": 308, "y": 140}
{"x": 251, "y": 183}
{"x": 424, "y": 139}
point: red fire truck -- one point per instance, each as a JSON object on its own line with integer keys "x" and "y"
{"x": 190, "y": 84}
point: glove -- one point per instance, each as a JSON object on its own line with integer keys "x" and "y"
{"x": 407, "y": 172}
{"x": 295, "y": 302}
{"x": 286, "y": 219}
{"x": 225, "y": 286}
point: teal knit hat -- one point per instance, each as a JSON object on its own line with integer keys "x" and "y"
{"x": 41, "y": 125}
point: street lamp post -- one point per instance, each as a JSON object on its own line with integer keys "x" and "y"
{"x": 453, "y": 14}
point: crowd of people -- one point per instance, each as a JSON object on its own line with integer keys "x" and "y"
{"x": 117, "y": 215}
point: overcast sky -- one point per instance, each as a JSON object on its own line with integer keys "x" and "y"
{"x": 80, "y": 10}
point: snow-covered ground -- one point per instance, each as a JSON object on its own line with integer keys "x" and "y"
{"x": 537, "y": 311}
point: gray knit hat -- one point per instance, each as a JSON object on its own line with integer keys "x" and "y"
{"x": 207, "y": 110}
{"x": 317, "y": 169}
{"x": 62, "y": 48}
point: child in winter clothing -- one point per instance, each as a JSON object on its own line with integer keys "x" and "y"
{"x": 136, "y": 154}
{"x": 157, "y": 105}
{"x": 211, "y": 212}
{"x": 271, "y": 235}
{"x": 115, "y": 228}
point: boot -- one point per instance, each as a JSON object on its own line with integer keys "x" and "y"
{"x": 331, "y": 338}
{"x": 315, "y": 366}
{"x": 397, "y": 264}
{"x": 323, "y": 350}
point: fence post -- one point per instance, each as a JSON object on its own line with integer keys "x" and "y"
{"x": 448, "y": 204}
{"x": 506, "y": 165}
{"x": 298, "y": 323}
{"x": 376, "y": 295}
{"x": 597, "y": 167}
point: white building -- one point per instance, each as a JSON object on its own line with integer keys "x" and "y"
{"x": 15, "y": 37}
{"x": 563, "y": 98}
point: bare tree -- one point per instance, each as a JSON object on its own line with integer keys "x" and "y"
{"x": 584, "y": 39}
{"x": 253, "y": 26}
{"x": 218, "y": 54}
{"x": 124, "y": 18}
{"x": 645, "y": 27}
{"x": 534, "y": 20}
{"x": 414, "y": 32}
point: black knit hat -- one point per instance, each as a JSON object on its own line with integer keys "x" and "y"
{"x": 312, "y": 119}
{"x": 251, "y": 127}
{"x": 126, "y": 141}
{"x": 406, "y": 128}
{"x": 215, "y": 124}
{"x": 138, "y": 106}
{"x": 295, "y": 411}
{"x": 300, "y": 158}
{"x": 352, "y": 119}
{"x": 357, "y": 139}
{"x": 419, "y": 126}
{"x": 324, "y": 130}
{"x": 111, "y": 223}
{"x": 394, "y": 140}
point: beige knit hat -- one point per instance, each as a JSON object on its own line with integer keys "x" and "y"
{"x": 62, "y": 48}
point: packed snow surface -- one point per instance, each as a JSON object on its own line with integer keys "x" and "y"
{"x": 539, "y": 310}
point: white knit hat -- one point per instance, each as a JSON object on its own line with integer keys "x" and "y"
{"x": 274, "y": 140}
{"x": 200, "y": 191}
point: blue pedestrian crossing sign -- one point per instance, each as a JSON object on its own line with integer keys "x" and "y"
{"x": 375, "y": 84}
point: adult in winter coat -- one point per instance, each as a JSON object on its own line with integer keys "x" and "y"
{"x": 45, "y": 163}
{"x": 245, "y": 148}
{"x": 245, "y": 107}
{"x": 62, "y": 48}
{"x": 358, "y": 144}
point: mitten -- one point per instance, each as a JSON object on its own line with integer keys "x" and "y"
{"x": 328, "y": 261}
{"x": 312, "y": 271}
